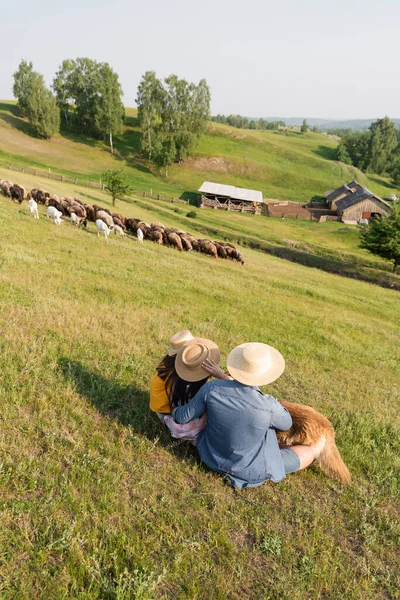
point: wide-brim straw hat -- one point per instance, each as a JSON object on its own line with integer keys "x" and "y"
{"x": 255, "y": 363}
{"x": 189, "y": 360}
{"x": 179, "y": 340}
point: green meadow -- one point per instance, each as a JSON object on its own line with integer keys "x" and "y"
{"x": 286, "y": 165}
{"x": 98, "y": 502}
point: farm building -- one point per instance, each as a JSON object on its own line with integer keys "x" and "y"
{"x": 229, "y": 197}
{"x": 361, "y": 205}
{"x": 342, "y": 191}
{"x": 353, "y": 202}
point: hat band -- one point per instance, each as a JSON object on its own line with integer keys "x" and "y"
{"x": 196, "y": 363}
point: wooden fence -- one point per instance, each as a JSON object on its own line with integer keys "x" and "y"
{"x": 74, "y": 180}
{"x": 165, "y": 198}
{"x": 91, "y": 184}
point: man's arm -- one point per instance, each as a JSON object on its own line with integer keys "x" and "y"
{"x": 193, "y": 409}
{"x": 280, "y": 417}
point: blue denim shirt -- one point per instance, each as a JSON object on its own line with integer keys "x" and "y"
{"x": 239, "y": 440}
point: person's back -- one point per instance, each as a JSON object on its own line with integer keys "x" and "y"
{"x": 239, "y": 439}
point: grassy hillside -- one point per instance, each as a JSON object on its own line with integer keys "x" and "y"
{"x": 98, "y": 502}
{"x": 282, "y": 164}
{"x": 332, "y": 247}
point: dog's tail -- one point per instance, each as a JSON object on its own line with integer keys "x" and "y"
{"x": 330, "y": 460}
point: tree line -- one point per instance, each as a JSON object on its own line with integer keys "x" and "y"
{"x": 172, "y": 114}
{"x": 87, "y": 96}
{"x": 375, "y": 150}
{"x": 244, "y": 123}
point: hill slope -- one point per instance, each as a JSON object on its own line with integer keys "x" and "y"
{"x": 98, "y": 502}
{"x": 283, "y": 164}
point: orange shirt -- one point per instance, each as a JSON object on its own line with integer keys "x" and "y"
{"x": 158, "y": 396}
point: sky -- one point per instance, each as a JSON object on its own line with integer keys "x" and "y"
{"x": 289, "y": 58}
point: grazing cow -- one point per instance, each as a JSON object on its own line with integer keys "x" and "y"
{"x": 54, "y": 214}
{"x": 33, "y": 207}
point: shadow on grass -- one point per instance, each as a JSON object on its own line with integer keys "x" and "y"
{"x": 331, "y": 265}
{"x": 325, "y": 152}
{"x": 381, "y": 182}
{"x": 128, "y": 404}
{"x": 15, "y": 121}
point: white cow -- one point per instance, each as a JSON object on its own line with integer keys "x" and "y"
{"x": 33, "y": 207}
{"x": 54, "y": 214}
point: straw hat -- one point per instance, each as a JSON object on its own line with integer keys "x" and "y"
{"x": 255, "y": 364}
{"x": 189, "y": 360}
{"x": 179, "y": 340}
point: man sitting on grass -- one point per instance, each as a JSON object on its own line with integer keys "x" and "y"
{"x": 239, "y": 440}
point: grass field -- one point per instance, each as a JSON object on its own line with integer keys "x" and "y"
{"x": 282, "y": 164}
{"x": 98, "y": 502}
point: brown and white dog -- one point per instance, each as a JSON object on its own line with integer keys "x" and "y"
{"x": 311, "y": 428}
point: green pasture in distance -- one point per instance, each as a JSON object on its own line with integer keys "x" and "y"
{"x": 286, "y": 165}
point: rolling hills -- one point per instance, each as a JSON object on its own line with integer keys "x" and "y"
{"x": 96, "y": 501}
{"x": 286, "y": 165}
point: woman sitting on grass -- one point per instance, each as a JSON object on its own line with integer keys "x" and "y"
{"x": 168, "y": 390}
{"x": 239, "y": 440}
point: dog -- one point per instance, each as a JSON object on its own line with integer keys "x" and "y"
{"x": 311, "y": 428}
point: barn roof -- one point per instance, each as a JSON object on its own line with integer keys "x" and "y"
{"x": 230, "y": 191}
{"x": 340, "y": 190}
{"x": 350, "y": 188}
{"x": 352, "y": 199}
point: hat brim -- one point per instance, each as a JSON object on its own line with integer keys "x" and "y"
{"x": 234, "y": 363}
{"x": 198, "y": 373}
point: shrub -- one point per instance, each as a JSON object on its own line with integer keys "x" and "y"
{"x": 192, "y": 214}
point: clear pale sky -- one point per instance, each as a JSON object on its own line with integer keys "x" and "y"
{"x": 307, "y": 58}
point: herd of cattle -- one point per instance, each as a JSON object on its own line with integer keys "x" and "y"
{"x": 80, "y": 213}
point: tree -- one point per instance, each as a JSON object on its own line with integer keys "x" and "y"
{"x": 382, "y": 236}
{"x": 342, "y": 154}
{"x": 304, "y": 127}
{"x": 383, "y": 143}
{"x": 172, "y": 114}
{"x": 43, "y": 112}
{"x": 110, "y": 111}
{"x": 116, "y": 184}
{"x": 23, "y": 80}
{"x": 36, "y": 101}
{"x": 89, "y": 97}
{"x": 149, "y": 102}
{"x": 165, "y": 153}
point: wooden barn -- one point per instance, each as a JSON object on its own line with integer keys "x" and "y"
{"x": 362, "y": 204}
{"x": 341, "y": 192}
{"x": 352, "y": 202}
{"x": 229, "y": 197}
